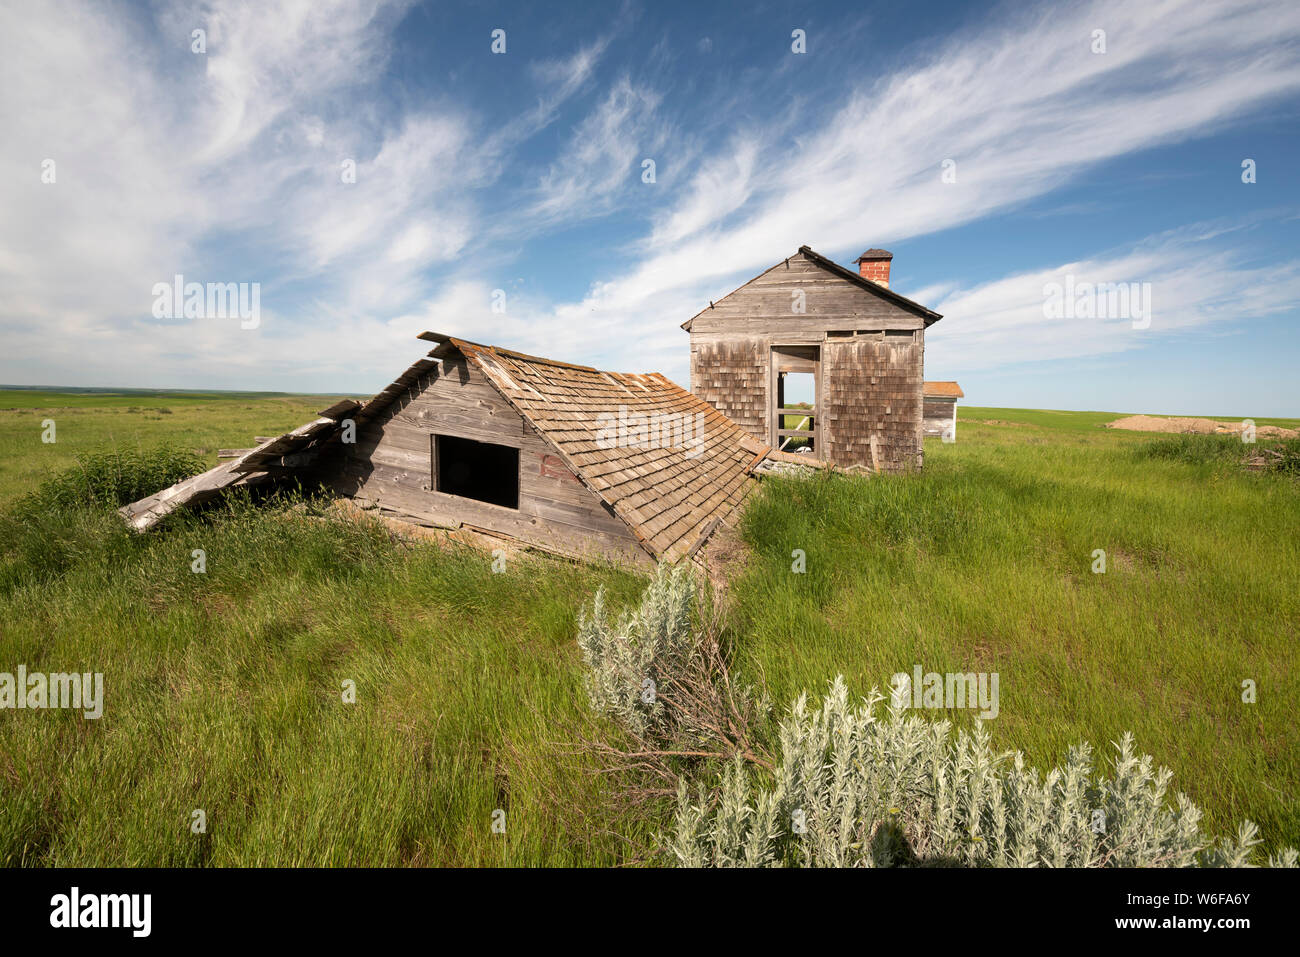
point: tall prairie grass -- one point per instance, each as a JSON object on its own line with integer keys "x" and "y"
{"x": 224, "y": 690}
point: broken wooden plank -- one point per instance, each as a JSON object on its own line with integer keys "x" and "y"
{"x": 147, "y": 512}
{"x": 340, "y": 409}
{"x": 254, "y": 466}
{"x": 794, "y": 458}
{"x": 709, "y": 529}
{"x": 290, "y": 462}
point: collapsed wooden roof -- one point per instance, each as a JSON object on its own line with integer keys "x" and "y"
{"x": 678, "y": 470}
{"x": 272, "y": 458}
{"x": 671, "y": 496}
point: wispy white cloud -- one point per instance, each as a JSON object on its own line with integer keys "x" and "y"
{"x": 1019, "y": 108}
{"x": 169, "y": 161}
{"x": 600, "y": 158}
{"x": 722, "y": 186}
{"x": 265, "y": 59}
{"x": 1003, "y": 322}
{"x": 565, "y": 76}
{"x": 159, "y": 151}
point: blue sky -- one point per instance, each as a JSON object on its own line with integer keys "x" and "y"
{"x": 521, "y": 172}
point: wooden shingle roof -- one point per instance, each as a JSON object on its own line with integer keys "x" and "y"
{"x": 945, "y": 390}
{"x": 672, "y": 488}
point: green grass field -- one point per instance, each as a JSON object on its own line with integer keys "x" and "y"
{"x": 223, "y": 689}
{"x": 201, "y": 421}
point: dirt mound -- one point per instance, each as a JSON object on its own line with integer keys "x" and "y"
{"x": 1193, "y": 426}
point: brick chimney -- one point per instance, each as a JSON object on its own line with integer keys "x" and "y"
{"x": 874, "y": 265}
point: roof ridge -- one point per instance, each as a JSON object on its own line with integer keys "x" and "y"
{"x": 507, "y": 353}
{"x": 817, "y": 258}
{"x": 865, "y": 283}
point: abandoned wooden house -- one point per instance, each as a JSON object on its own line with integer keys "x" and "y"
{"x": 810, "y": 353}
{"x": 941, "y": 409}
{"x": 581, "y": 462}
{"x": 557, "y": 456}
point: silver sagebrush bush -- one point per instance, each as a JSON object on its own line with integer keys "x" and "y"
{"x": 852, "y": 789}
{"x": 847, "y": 787}
{"x": 627, "y": 658}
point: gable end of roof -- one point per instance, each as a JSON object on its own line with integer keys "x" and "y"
{"x": 669, "y": 496}
{"x": 929, "y": 315}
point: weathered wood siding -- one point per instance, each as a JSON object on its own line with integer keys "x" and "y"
{"x": 391, "y": 466}
{"x": 765, "y": 306}
{"x": 939, "y": 414}
{"x": 873, "y": 389}
{"x": 731, "y": 375}
{"x": 872, "y": 354}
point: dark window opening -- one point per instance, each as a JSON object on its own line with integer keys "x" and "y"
{"x": 900, "y": 332}
{"x": 478, "y": 470}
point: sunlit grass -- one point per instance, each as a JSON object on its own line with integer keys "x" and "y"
{"x": 984, "y": 563}
{"x": 224, "y": 689}
{"x": 224, "y": 693}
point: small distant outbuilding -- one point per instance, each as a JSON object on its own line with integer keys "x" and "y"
{"x": 940, "y": 415}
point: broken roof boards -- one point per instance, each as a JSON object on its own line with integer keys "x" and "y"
{"x": 250, "y": 468}
{"x": 621, "y": 464}
{"x": 611, "y": 464}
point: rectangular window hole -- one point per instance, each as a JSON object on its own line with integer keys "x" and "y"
{"x": 479, "y": 470}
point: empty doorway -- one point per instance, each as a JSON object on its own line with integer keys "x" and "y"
{"x": 796, "y": 374}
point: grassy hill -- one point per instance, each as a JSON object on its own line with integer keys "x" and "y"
{"x": 223, "y": 689}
